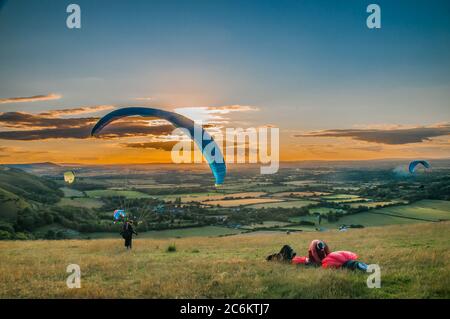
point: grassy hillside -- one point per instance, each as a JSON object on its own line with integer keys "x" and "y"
{"x": 205, "y": 231}
{"x": 10, "y": 205}
{"x": 22, "y": 200}
{"x": 418, "y": 212}
{"x": 27, "y": 186}
{"x": 81, "y": 202}
{"x": 432, "y": 210}
{"x": 414, "y": 260}
{"x": 29, "y": 202}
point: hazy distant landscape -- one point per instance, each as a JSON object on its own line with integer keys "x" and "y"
{"x": 181, "y": 201}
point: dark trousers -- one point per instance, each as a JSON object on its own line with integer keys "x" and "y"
{"x": 128, "y": 241}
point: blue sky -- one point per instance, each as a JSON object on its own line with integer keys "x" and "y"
{"x": 306, "y": 65}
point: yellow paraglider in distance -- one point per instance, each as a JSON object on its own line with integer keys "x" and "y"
{"x": 69, "y": 177}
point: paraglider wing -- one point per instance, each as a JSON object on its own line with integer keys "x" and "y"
{"x": 118, "y": 214}
{"x": 337, "y": 258}
{"x": 413, "y": 164}
{"x": 214, "y": 157}
{"x": 69, "y": 177}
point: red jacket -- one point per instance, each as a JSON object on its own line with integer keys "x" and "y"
{"x": 315, "y": 255}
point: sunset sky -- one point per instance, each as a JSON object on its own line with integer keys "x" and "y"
{"x": 335, "y": 89}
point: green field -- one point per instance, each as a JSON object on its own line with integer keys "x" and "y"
{"x": 414, "y": 261}
{"x": 433, "y": 210}
{"x": 241, "y": 185}
{"x": 83, "y": 202}
{"x": 265, "y": 224}
{"x": 343, "y": 198}
{"x": 300, "y": 228}
{"x": 308, "y": 218}
{"x": 70, "y": 192}
{"x": 348, "y": 201}
{"x": 271, "y": 188}
{"x": 206, "y": 231}
{"x": 425, "y": 210}
{"x": 302, "y": 183}
{"x": 299, "y": 194}
{"x": 369, "y": 219}
{"x": 340, "y": 196}
{"x": 324, "y": 210}
{"x": 249, "y": 202}
{"x": 346, "y": 188}
{"x": 72, "y": 234}
{"x": 373, "y": 204}
{"x": 285, "y": 204}
{"x": 10, "y": 204}
{"x": 191, "y": 197}
{"x": 209, "y": 197}
{"x": 165, "y": 186}
{"x": 111, "y": 192}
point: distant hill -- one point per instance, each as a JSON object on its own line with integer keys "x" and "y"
{"x": 10, "y": 205}
{"x": 27, "y": 186}
{"x": 35, "y": 168}
{"x": 23, "y": 192}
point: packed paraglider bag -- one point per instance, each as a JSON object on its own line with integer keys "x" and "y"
{"x": 337, "y": 259}
{"x": 286, "y": 254}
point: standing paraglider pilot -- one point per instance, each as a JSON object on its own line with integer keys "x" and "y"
{"x": 127, "y": 233}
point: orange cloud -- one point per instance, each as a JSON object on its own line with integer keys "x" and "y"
{"x": 48, "y": 125}
{"x": 77, "y": 111}
{"x": 392, "y": 136}
{"x": 34, "y": 98}
{"x": 158, "y": 145}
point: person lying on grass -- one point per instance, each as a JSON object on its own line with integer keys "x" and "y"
{"x": 319, "y": 254}
{"x": 317, "y": 251}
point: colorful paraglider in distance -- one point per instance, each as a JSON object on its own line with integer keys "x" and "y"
{"x": 413, "y": 165}
{"x": 160, "y": 209}
{"x": 401, "y": 171}
{"x": 69, "y": 177}
{"x": 214, "y": 157}
{"x": 119, "y": 215}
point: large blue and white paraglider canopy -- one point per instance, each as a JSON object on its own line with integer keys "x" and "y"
{"x": 211, "y": 153}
